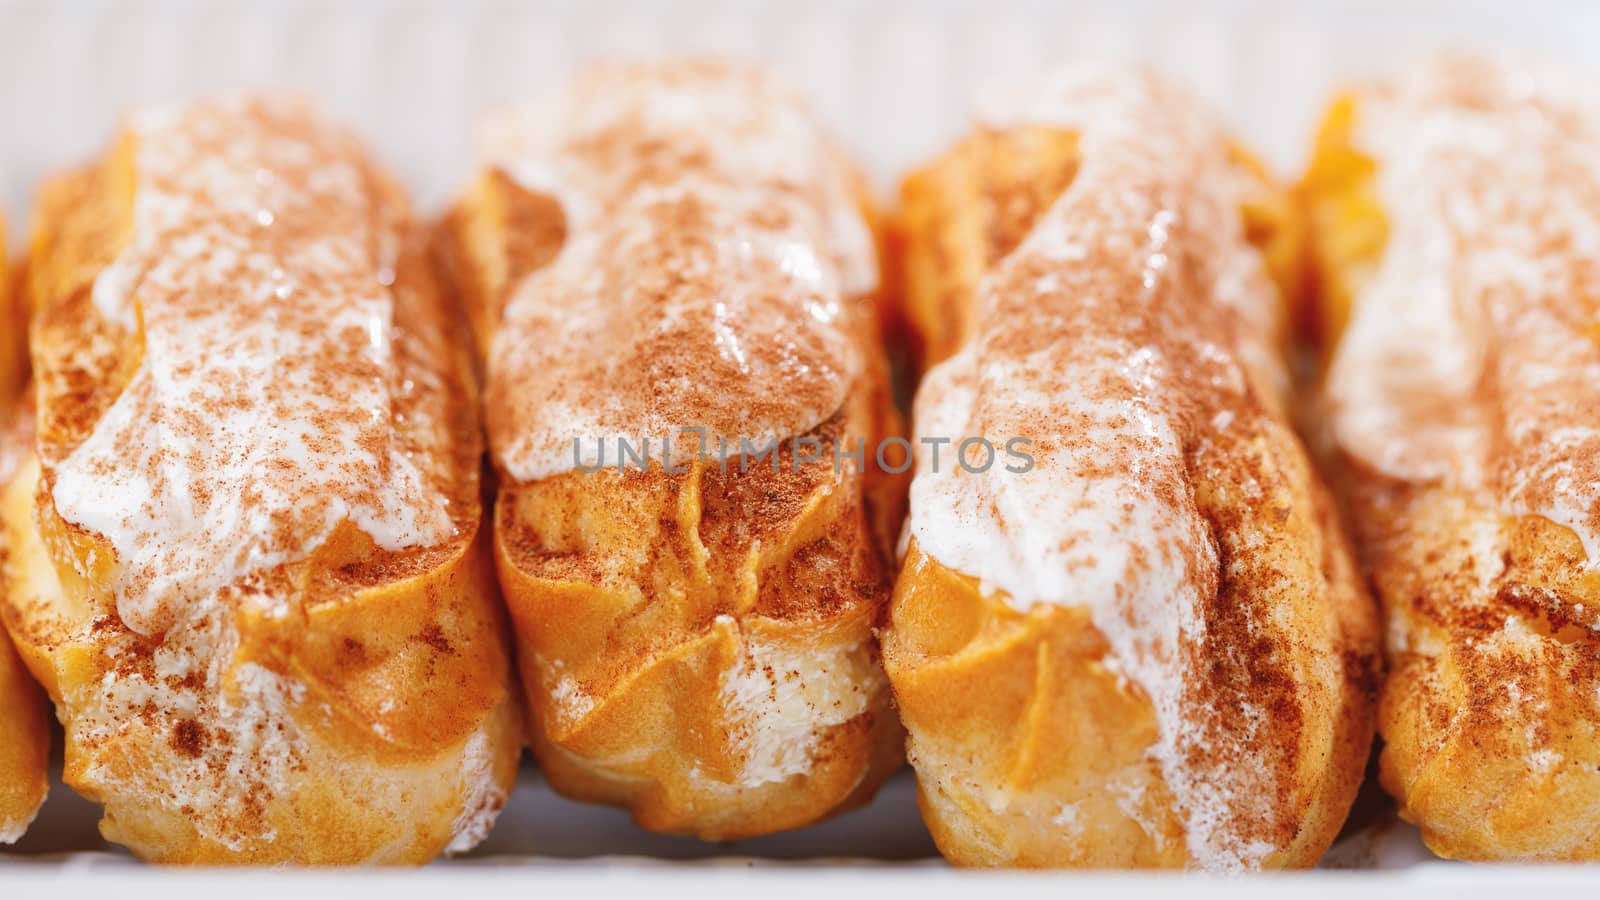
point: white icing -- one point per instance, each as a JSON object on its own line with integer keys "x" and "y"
{"x": 262, "y": 394}
{"x": 1106, "y": 519}
{"x": 709, "y": 176}
{"x": 1470, "y": 356}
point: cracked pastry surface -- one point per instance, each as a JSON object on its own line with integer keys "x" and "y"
{"x": 1151, "y": 648}
{"x": 244, "y": 546}
{"x": 662, "y": 247}
{"x": 24, "y": 715}
{"x": 1456, "y": 214}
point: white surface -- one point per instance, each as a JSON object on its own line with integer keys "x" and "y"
{"x": 896, "y": 78}
{"x": 539, "y": 824}
{"x": 627, "y": 880}
{"x": 542, "y": 828}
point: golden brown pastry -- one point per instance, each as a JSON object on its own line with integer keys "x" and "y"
{"x": 24, "y": 745}
{"x": 13, "y": 330}
{"x": 1128, "y": 633}
{"x": 24, "y": 715}
{"x": 244, "y": 550}
{"x": 1456, "y": 214}
{"x": 662, "y": 248}
{"x": 964, "y": 213}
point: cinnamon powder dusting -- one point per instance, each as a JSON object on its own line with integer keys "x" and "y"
{"x": 1131, "y": 337}
{"x": 262, "y": 414}
{"x": 1472, "y": 357}
{"x": 294, "y": 404}
{"x": 714, "y": 261}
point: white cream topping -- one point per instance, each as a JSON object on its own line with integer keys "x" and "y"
{"x": 714, "y": 256}
{"x": 1087, "y": 347}
{"x": 1472, "y": 355}
{"x": 260, "y": 416}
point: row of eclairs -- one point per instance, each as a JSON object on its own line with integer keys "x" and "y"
{"x": 256, "y": 567}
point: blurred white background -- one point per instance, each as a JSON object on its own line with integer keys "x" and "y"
{"x": 895, "y": 77}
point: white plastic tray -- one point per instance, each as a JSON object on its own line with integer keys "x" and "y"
{"x": 895, "y": 78}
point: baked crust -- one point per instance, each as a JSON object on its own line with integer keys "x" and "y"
{"x": 969, "y": 209}
{"x": 24, "y": 716}
{"x": 961, "y": 214}
{"x": 24, "y": 746}
{"x": 695, "y": 646}
{"x": 347, "y": 707}
{"x": 1490, "y": 715}
{"x": 14, "y": 341}
{"x": 1034, "y": 745}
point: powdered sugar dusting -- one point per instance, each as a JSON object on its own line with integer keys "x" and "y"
{"x": 230, "y": 726}
{"x": 714, "y": 258}
{"x": 260, "y": 416}
{"x": 1129, "y": 335}
{"x": 1472, "y": 354}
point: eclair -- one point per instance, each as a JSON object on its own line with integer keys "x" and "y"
{"x": 245, "y": 558}
{"x": 24, "y": 714}
{"x": 672, "y": 276}
{"x": 1127, "y": 631}
{"x": 1455, "y": 215}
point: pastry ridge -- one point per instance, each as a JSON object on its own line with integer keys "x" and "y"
{"x": 326, "y": 700}
{"x": 24, "y": 714}
{"x": 1453, "y": 208}
{"x": 696, "y": 646}
{"x": 1199, "y": 698}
